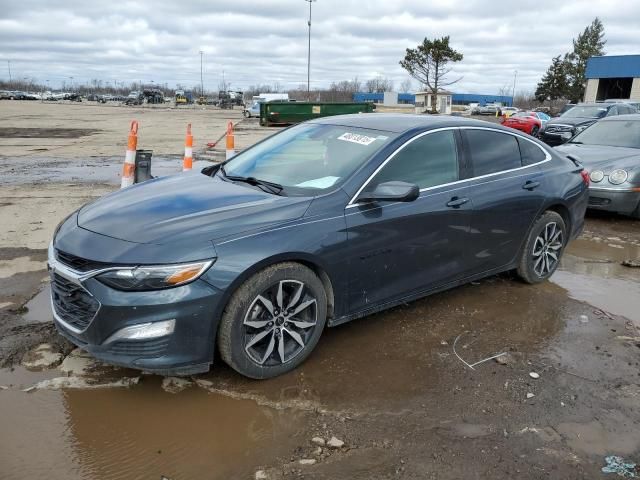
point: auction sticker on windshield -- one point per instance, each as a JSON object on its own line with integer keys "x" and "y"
{"x": 356, "y": 138}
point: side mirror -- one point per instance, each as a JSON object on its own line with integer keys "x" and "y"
{"x": 391, "y": 192}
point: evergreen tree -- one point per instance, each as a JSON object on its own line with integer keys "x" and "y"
{"x": 428, "y": 64}
{"x": 588, "y": 44}
{"x": 553, "y": 84}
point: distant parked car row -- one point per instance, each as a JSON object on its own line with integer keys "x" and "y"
{"x": 602, "y": 136}
{"x": 579, "y": 117}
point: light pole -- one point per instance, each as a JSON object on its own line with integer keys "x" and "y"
{"x": 201, "y": 81}
{"x": 9, "y": 67}
{"x": 309, "y": 54}
{"x": 515, "y": 76}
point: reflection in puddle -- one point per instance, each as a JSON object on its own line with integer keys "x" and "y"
{"x": 591, "y": 272}
{"x": 39, "y": 308}
{"x": 140, "y": 432}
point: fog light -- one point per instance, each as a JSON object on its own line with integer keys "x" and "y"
{"x": 144, "y": 331}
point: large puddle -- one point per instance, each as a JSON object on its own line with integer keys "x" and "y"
{"x": 141, "y": 432}
{"x": 592, "y": 272}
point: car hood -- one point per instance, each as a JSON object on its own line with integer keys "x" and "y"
{"x": 603, "y": 156}
{"x": 573, "y": 121}
{"x": 191, "y": 207}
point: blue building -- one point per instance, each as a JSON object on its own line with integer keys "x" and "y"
{"x": 481, "y": 99}
{"x": 403, "y": 98}
{"x": 613, "y": 76}
{"x": 457, "y": 98}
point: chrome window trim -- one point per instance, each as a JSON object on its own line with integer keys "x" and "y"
{"x": 352, "y": 203}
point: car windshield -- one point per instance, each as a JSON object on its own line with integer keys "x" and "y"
{"x": 615, "y": 134}
{"x": 585, "y": 111}
{"x": 309, "y": 158}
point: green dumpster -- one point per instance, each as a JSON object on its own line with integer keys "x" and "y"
{"x": 287, "y": 113}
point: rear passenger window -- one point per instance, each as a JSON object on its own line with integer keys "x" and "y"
{"x": 427, "y": 161}
{"x": 492, "y": 152}
{"x": 530, "y": 152}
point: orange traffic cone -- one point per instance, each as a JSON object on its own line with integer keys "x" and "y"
{"x": 187, "y": 163}
{"x": 231, "y": 149}
{"x": 129, "y": 167}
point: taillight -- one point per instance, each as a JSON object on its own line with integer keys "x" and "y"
{"x": 585, "y": 177}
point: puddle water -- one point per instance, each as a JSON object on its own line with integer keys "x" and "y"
{"x": 141, "y": 432}
{"x": 591, "y": 272}
{"x": 39, "y": 308}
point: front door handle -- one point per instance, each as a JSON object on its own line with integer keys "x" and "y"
{"x": 530, "y": 185}
{"x": 455, "y": 202}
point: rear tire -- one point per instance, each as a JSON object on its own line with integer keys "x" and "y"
{"x": 541, "y": 253}
{"x": 273, "y": 321}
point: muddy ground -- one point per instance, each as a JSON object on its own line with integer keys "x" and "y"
{"x": 390, "y": 386}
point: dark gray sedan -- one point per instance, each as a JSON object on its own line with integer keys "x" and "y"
{"x": 610, "y": 150}
{"x": 322, "y": 223}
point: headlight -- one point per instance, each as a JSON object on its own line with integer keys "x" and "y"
{"x": 596, "y": 176}
{"x": 153, "y": 277}
{"x": 618, "y": 176}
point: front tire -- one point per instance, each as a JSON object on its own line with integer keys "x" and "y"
{"x": 543, "y": 249}
{"x": 273, "y": 321}
{"x": 534, "y": 131}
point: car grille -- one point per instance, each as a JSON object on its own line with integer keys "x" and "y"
{"x": 558, "y": 128}
{"x": 72, "y": 303}
{"x": 140, "y": 348}
{"x": 80, "y": 264}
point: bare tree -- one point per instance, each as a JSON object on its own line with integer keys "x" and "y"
{"x": 406, "y": 86}
{"x": 379, "y": 85}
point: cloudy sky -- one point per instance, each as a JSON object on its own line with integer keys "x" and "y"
{"x": 265, "y": 41}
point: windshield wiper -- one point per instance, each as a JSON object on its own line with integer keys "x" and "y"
{"x": 269, "y": 187}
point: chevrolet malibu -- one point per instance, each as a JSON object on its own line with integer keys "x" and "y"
{"x": 325, "y": 222}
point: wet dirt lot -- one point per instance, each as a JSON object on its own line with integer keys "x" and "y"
{"x": 390, "y": 386}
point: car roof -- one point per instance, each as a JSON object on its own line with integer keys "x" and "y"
{"x": 621, "y": 118}
{"x": 400, "y": 122}
{"x": 596, "y": 104}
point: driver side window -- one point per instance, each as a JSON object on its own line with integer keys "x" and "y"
{"x": 428, "y": 161}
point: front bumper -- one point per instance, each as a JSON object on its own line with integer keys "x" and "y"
{"x": 553, "y": 139}
{"x": 88, "y": 313}
{"x": 619, "y": 200}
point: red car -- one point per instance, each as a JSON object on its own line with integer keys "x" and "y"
{"x": 527, "y": 122}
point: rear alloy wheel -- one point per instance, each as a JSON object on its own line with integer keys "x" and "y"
{"x": 534, "y": 131}
{"x": 544, "y": 246}
{"x": 273, "y": 321}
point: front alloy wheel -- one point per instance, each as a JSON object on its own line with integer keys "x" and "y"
{"x": 273, "y": 321}
{"x": 279, "y": 323}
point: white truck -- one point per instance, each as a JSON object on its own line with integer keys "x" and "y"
{"x": 254, "y": 109}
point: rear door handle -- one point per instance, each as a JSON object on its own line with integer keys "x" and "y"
{"x": 530, "y": 185}
{"x": 455, "y": 202}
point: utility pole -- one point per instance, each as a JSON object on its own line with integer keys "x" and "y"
{"x": 9, "y": 66}
{"x": 515, "y": 76}
{"x": 201, "y": 81}
{"x": 309, "y": 54}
